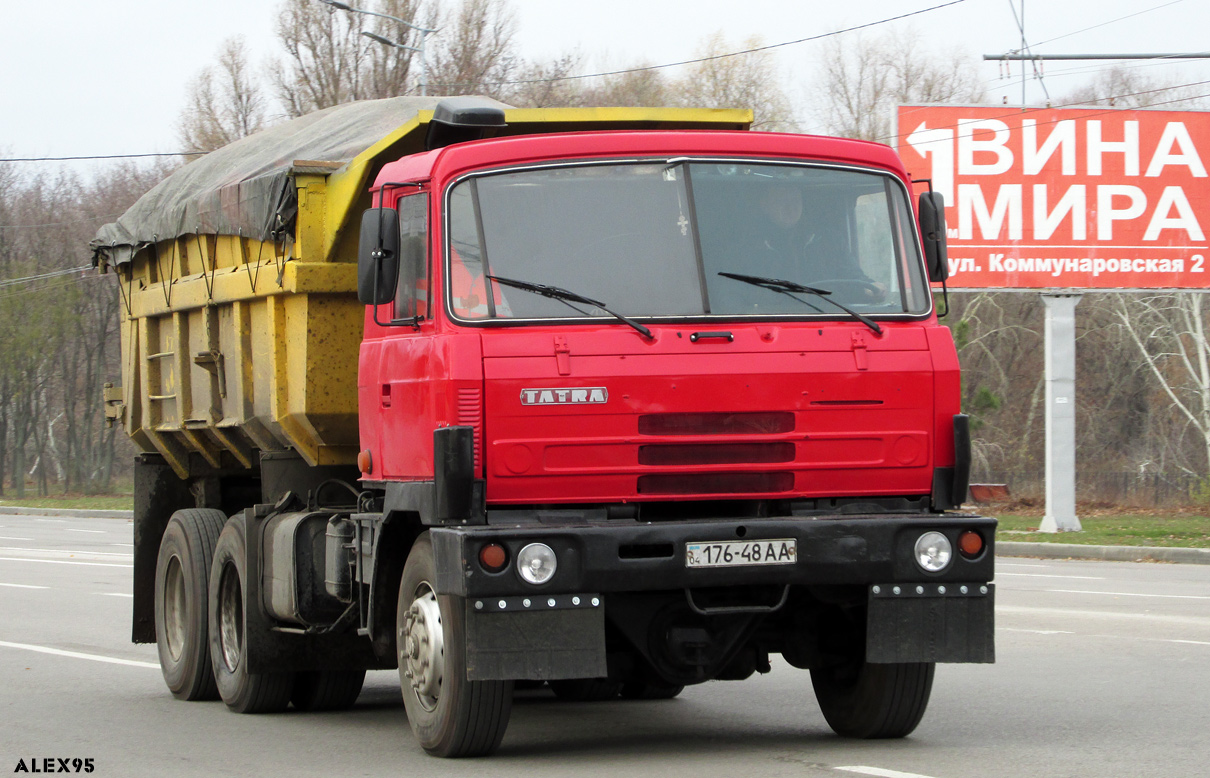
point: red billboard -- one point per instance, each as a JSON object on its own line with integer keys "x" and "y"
{"x": 1068, "y": 197}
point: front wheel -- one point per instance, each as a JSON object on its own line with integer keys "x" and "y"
{"x": 867, "y": 700}
{"x": 449, "y": 715}
{"x": 243, "y": 691}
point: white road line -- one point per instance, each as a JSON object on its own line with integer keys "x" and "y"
{"x": 1039, "y": 631}
{"x": 5, "y": 537}
{"x": 128, "y": 545}
{"x": 880, "y": 772}
{"x": 59, "y": 562}
{"x": 64, "y": 551}
{"x": 1017, "y": 564}
{"x": 24, "y": 586}
{"x": 78, "y": 655}
{"x": 53, "y": 521}
{"x": 1131, "y": 594}
{"x": 1044, "y": 575}
{"x": 114, "y": 594}
{"x": 93, "y": 531}
{"x": 1076, "y": 612}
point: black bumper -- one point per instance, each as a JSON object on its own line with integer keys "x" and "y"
{"x": 634, "y": 557}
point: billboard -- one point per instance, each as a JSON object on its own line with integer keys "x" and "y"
{"x": 1091, "y": 198}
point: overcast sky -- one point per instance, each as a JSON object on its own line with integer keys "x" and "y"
{"x": 108, "y": 76}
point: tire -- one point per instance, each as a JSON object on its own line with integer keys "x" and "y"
{"x": 327, "y": 690}
{"x": 646, "y": 689}
{"x": 182, "y": 588}
{"x": 450, "y": 716}
{"x": 244, "y": 692}
{"x": 866, "y": 700}
{"x": 586, "y": 689}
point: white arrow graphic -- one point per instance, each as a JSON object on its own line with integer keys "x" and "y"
{"x": 938, "y": 146}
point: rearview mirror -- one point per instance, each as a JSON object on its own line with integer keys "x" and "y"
{"x": 378, "y": 256}
{"x": 932, "y": 231}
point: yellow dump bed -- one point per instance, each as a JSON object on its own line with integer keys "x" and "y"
{"x": 240, "y": 322}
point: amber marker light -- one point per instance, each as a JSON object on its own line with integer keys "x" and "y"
{"x": 970, "y": 543}
{"x": 493, "y": 557}
{"x": 365, "y": 462}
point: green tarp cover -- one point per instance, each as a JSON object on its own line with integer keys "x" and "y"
{"x": 245, "y": 188}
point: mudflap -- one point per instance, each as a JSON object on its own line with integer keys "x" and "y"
{"x": 931, "y": 623}
{"x": 509, "y": 638}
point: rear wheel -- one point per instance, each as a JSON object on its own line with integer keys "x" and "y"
{"x": 243, "y": 691}
{"x": 450, "y": 715}
{"x": 182, "y": 585}
{"x": 327, "y": 689}
{"x": 585, "y": 689}
{"x": 867, "y": 700}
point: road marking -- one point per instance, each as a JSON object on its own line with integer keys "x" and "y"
{"x": 1016, "y": 564}
{"x": 1190, "y": 642}
{"x": 880, "y": 772}
{"x": 1132, "y": 594}
{"x": 53, "y": 521}
{"x": 1070, "y": 612}
{"x": 1044, "y": 575}
{"x": 59, "y": 562}
{"x": 1039, "y": 631}
{"x": 6, "y": 537}
{"x": 114, "y": 594}
{"x": 128, "y": 545}
{"x": 78, "y": 655}
{"x": 24, "y": 586}
{"x": 64, "y": 551}
{"x": 93, "y": 531}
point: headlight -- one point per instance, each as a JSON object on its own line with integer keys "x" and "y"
{"x": 536, "y": 563}
{"x": 934, "y": 551}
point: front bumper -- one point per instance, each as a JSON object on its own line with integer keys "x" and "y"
{"x": 624, "y": 556}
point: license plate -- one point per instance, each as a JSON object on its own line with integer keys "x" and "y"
{"x": 783, "y": 551}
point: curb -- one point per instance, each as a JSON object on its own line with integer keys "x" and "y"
{"x": 82, "y": 513}
{"x": 1195, "y": 556}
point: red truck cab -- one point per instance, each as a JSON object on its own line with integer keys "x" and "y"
{"x": 656, "y": 405}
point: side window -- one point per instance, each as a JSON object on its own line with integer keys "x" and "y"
{"x": 412, "y": 291}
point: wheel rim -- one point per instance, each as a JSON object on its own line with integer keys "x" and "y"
{"x": 175, "y": 609}
{"x": 422, "y": 647}
{"x": 230, "y": 617}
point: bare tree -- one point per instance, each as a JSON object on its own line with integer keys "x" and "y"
{"x": 546, "y": 84}
{"x": 1170, "y": 334}
{"x": 737, "y": 81}
{"x": 1130, "y": 87}
{"x": 864, "y": 79}
{"x": 324, "y": 54}
{"x": 224, "y": 102}
{"x": 476, "y": 49}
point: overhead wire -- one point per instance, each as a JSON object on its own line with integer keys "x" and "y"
{"x": 553, "y": 79}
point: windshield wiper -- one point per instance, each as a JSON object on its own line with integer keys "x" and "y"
{"x": 567, "y": 297}
{"x": 786, "y": 287}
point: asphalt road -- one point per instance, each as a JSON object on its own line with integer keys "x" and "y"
{"x": 1104, "y": 670}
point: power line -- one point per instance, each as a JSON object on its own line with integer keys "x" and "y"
{"x": 102, "y": 156}
{"x": 553, "y": 79}
{"x": 771, "y": 46}
{"x": 5, "y": 282}
{"x": 1111, "y": 21}
{"x": 59, "y": 224}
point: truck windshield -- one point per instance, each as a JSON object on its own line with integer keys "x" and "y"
{"x": 659, "y": 240}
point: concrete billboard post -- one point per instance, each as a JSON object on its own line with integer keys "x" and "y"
{"x": 1063, "y": 201}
